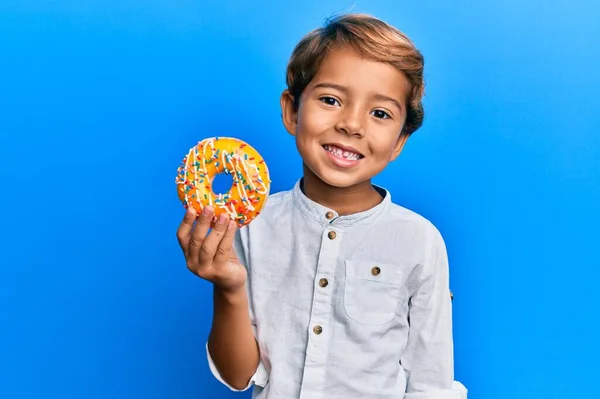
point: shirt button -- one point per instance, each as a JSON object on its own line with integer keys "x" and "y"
{"x": 318, "y": 330}
{"x": 323, "y": 282}
{"x": 375, "y": 271}
{"x": 451, "y": 296}
{"x": 331, "y": 235}
{"x": 329, "y": 215}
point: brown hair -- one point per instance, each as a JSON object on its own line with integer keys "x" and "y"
{"x": 373, "y": 39}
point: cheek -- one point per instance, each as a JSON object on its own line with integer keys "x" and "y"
{"x": 313, "y": 120}
{"x": 384, "y": 149}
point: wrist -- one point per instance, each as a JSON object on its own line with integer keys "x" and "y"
{"x": 235, "y": 296}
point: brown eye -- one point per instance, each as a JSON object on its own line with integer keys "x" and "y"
{"x": 329, "y": 100}
{"x": 380, "y": 114}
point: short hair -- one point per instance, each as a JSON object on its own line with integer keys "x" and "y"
{"x": 371, "y": 38}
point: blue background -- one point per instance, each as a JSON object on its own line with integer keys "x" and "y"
{"x": 100, "y": 100}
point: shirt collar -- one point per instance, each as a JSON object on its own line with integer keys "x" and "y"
{"x": 326, "y": 215}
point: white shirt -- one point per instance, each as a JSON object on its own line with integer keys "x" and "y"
{"x": 347, "y": 307}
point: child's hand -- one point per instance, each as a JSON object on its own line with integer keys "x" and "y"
{"x": 211, "y": 256}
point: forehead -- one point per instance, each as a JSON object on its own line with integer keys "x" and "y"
{"x": 361, "y": 76}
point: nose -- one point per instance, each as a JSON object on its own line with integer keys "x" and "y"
{"x": 351, "y": 123}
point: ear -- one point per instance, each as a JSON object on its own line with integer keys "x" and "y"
{"x": 399, "y": 146}
{"x": 289, "y": 114}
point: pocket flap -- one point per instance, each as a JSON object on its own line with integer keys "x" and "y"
{"x": 374, "y": 271}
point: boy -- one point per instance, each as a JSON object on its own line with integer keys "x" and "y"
{"x": 334, "y": 291}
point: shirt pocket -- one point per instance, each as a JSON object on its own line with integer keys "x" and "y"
{"x": 372, "y": 291}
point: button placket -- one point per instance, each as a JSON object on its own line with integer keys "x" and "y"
{"x": 322, "y": 296}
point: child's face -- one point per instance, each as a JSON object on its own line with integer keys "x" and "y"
{"x": 348, "y": 124}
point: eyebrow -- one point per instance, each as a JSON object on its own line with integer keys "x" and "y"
{"x": 343, "y": 89}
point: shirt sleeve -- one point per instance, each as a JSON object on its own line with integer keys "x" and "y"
{"x": 261, "y": 375}
{"x": 428, "y": 359}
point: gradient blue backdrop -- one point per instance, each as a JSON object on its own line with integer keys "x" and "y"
{"x": 100, "y": 100}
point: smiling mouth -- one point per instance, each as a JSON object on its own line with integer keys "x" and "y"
{"x": 343, "y": 154}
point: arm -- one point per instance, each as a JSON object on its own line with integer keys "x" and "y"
{"x": 428, "y": 358}
{"x": 232, "y": 350}
{"x": 231, "y": 344}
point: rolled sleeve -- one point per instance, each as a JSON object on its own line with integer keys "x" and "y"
{"x": 428, "y": 358}
{"x": 260, "y": 376}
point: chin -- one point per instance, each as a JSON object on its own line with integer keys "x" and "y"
{"x": 339, "y": 179}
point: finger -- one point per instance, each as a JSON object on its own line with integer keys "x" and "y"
{"x": 212, "y": 241}
{"x": 185, "y": 228}
{"x": 198, "y": 234}
{"x": 226, "y": 245}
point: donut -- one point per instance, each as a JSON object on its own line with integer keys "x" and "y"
{"x": 215, "y": 155}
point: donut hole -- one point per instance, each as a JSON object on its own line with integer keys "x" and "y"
{"x": 222, "y": 183}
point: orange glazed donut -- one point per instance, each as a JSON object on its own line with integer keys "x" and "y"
{"x": 216, "y": 155}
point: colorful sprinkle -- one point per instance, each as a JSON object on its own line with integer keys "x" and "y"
{"x": 204, "y": 160}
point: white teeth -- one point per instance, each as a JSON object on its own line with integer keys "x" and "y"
{"x": 338, "y": 152}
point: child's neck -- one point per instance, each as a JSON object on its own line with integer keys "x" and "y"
{"x": 346, "y": 200}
